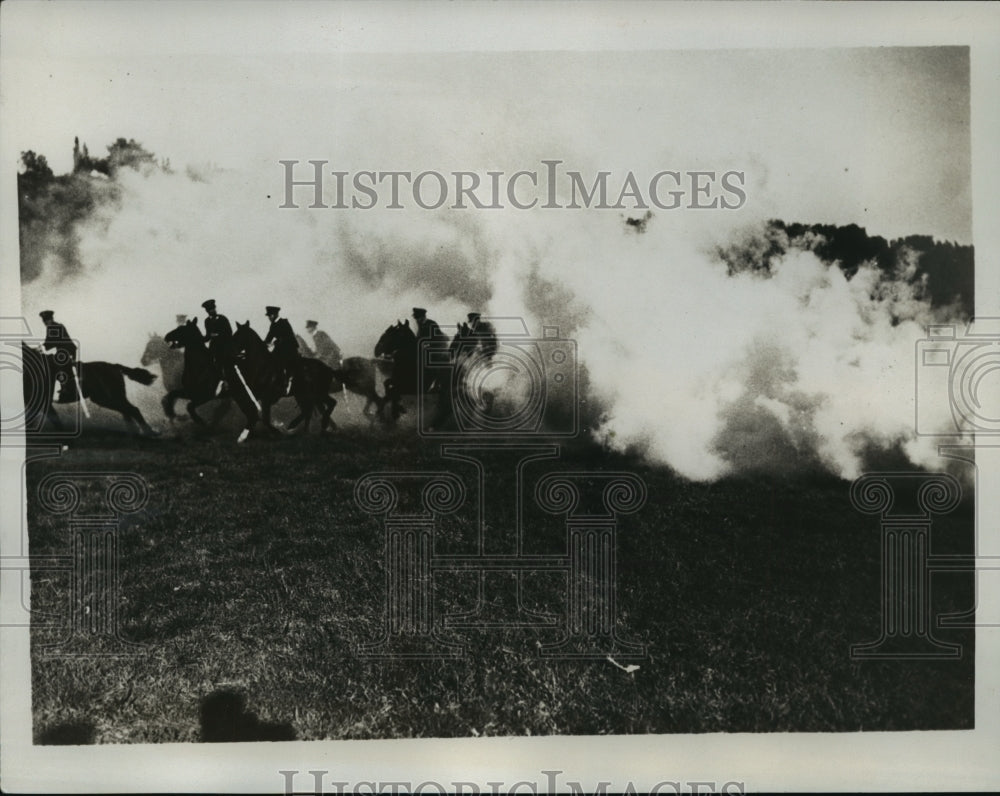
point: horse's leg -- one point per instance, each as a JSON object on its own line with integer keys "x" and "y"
{"x": 168, "y": 403}
{"x": 252, "y": 418}
{"x": 116, "y": 399}
{"x": 397, "y": 407}
{"x": 108, "y": 390}
{"x": 223, "y": 406}
{"x": 298, "y": 419}
{"x": 305, "y": 408}
{"x": 372, "y": 400}
{"x": 249, "y": 410}
{"x": 48, "y": 410}
{"x": 392, "y": 401}
{"x": 194, "y": 415}
{"x": 326, "y": 421}
{"x": 266, "y": 414}
{"x": 52, "y": 415}
{"x": 444, "y": 411}
{"x": 131, "y": 412}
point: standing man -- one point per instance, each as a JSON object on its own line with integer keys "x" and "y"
{"x": 219, "y": 334}
{"x": 327, "y": 351}
{"x": 285, "y": 348}
{"x": 62, "y": 349}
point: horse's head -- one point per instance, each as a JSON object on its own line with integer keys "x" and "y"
{"x": 245, "y": 340}
{"x": 394, "y": 340}
{"x": 185, "y": 335}
{"x": 155, "y": 348}
{"x": 462, "y": 332}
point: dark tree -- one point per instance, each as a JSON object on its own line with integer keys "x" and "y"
{"x": 36, "y": 167}
{"x": 129, "y": 153}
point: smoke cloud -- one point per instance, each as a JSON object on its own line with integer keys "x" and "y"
{"x": 710, "y": 345}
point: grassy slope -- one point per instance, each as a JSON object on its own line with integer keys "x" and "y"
{"x": 251, "y": 568}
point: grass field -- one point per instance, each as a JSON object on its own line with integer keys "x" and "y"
{"x": 250, "y": 579}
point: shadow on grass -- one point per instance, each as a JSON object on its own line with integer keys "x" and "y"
{"x": 224, "y": 718}
{"x": 79, "y": 732}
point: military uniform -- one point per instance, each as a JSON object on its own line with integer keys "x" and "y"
{"x": 286, "y": 349}
{"x": 219, "y": 334}
{"x": 433, "y": 375}
{"x": 327, "y": 351}
{"x": 427, "y": 329}
{"x": 484, "y": 334}
{"x": 62, "y": 349}
{"x": 304, "y": 348}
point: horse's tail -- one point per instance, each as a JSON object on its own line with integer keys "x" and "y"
{"x": 140, "y": 375}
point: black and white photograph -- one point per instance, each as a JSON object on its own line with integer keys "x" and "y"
{"x": 499, "y": 398}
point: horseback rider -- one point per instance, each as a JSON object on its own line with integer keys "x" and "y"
{"x": 62, "y": 349}
{"x": 484, "y": 334}
{"x": 327, "y": 351}
{"x": 219, "y": 335}
{"x": 305, "y": 350}
{"x": 285, "y": 347}
{"x": 427, "y": 329}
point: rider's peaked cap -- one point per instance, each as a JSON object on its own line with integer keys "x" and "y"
{"x": 474, "y": 316}
{"x": 46, "y": 314}
{"x": 209, "y": 304}
{"x": 183, "y": 318}
{"x": 311, "y": 324}
{"x": 418, "y": 311}
{"x": 272, "y": 310}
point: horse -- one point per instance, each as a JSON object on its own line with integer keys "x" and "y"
{"x": 398, "y": 350}
{"x": 263, "y": 380}
{"x": 199, "y": 378}
{"x": 358, "y": 375}
{"x": 101, "y": 382}
{"x": 170, "y": 359}
{"x": 39, "y": 387}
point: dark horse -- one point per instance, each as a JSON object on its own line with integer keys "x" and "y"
{"x": 262, "y": 380}
{"x": 101, "y": 382}
{"x": 199, "y": 378}
{"x": 357, "y": 374}
{"x": 398, "y": 350}
{"x": 170, "y": 360}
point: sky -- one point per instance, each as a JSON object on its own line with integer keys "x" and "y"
{"x": 874, "y": 136}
